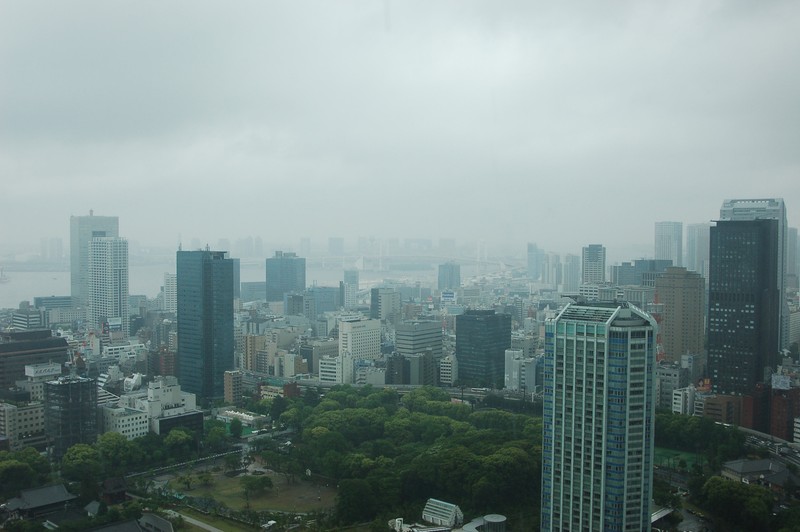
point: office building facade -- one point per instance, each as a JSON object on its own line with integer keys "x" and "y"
{"x": 349, "y": 289}
{"x": 669, "y": 242}
{"x": 697, "y": 241}
{"x": 482, "y": 337}
{"x": 286, "y": 273}
{"x": 449, "y": 276}
{"x": 70, "y": 413}
{"x": 599, "y": 415}
{"x": 743, "y": 304}
{"x": 108, "y": 309}
{"x": 205, "y": 321}
{"x": 682, "y": 330}
{"x": 593, "y": 264}
{"x": 82, "y": 229}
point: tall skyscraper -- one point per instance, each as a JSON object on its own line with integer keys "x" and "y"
{"x": 792, "y": 262}
{"x": 571, "y": 273}
{"x": 81, "y": 230}
{"x": 286, "y": 272}
{"x": 349, "y": 289}
{"x": 682, "y": 293}
{"x": 358, "y": 340}
{"x": 384, "y": 304}
{"x": 170, "y": 303}
{"x": 482, "y": 337}
{"x": 599, "y": 415}
{"x": 535, "y": 259}
{"x": 773, "y": 209}
{"x": 669, "y": 242}
{"x": 697, "y": 241}
{"x": 449, "y": 276}
{"x": 108, "y": 285}
{"x": 205, "y": 321}
{"x": 593, "y": 264}
{"x": 743, "y": 304}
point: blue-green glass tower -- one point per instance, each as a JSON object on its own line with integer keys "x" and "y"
{"x": 205, "y": 321}
{"x": 598, "y": 422}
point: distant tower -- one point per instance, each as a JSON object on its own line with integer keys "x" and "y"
{"x": 81, "y": 230}
{"x": 349, "y": 294}
{"x": 482, "y": 337}
{"x": 449, "y": 276}
{"x": 697, "y": 240}
{"x": 682, "y": 293}
{"x": 535, "y": 259}
{"x": 571, "y": 273}
{"x": 593, "y": 264}
{"x": 286, "y": 272}
{"x": 743, "y": 304}
{"x": 598, "y": 419}
{"x": 205, "y": 321}
{"x": 170, "y": 292}
{"x": 108, "y": 285}
{"x": 669, "y": 242}
{"x": 70, "y": 413}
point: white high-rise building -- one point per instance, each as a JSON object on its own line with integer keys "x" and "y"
{"x": 669, "y": 242}
{"x": 593, "y": 264}
{"x": 350, "y": 289}
{"x": 358, "y": 340}
{"x": 599, "y": 418}
{"x": 81, "y": 231}
{"x": 108, "y": 285}
{"x": 170, "y": 292}
{"x": 698, "y": 239}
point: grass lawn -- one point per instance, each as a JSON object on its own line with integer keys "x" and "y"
{"x": 213, "y": 520}
{"x": 301, "y": 496}
{"x": 670, "y": 458}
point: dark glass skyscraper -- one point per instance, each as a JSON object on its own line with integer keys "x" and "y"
{"x": 482, "y": 337}
{"x": 205, "y": 321}
{"x": 286, "y": 272}
{"x": 743, "y": 303}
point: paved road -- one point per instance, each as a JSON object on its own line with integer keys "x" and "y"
{"x": 195, "y": 522}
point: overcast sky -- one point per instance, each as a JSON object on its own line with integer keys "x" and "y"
{"x": 561, "y": 123}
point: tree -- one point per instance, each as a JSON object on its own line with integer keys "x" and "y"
{"x": 355, "y": 501}
{"x": 233, "y": 461}
{"x": 118, "y": 455}
{"x": 81, "y": 462}
{"x": 187, "y": 479}
{"x": 216, "y": 439}
{"x": 278, "y": 407}
{"x": 255, "y": 484}
{"x": 14, "y": 477}
{"x": 236, "y": 428}
{"x": 179, "y": 442}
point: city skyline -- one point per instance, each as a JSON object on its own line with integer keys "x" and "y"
{"x": 331, "y": 116}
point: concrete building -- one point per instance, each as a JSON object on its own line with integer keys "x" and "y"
{"x": 670, "y": 376}
{"x": 349, "y": 288}
{"x": 170, "y": 301}
{"x": 599, "y": 416}
{"x": 593, "y": 264}
{"x": 233, "y": 387}
{"x": 513, "y": 370}
{"x": 448, "y": 370}
{"x": 482, "y": 337}
{"x": 682, "y": 328}
{"x": 669, "y": 242}
{"x": 449, "y": 276}
{"x": 82, "y": 229}
{"x": 417, "y": 336}
{"x": 166, "y": 405}
{"x": 108, "y": 286}
{"x": 21, "y": 348}
{"x": 697, "y": 242}
{"x": 571, "y": 273}
{"x": 384, "y": 304}
{"x": 358, "y": 340}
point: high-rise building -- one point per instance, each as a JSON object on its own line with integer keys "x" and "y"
{"x": 571, "y": 273}
{"x": 669, "y": 242}
{"x": 18, "y": 349}
{"x": 642, "y": 272}
{"x": 286, "y": 272}
{"x": 482, "y": 337}
{"x": 170, "y": 302}
{"x": 205, "y": 321}
{"x": 449, "y": 276}
{"x": 599, "y": 415}
{"x": 358, "y": 340}
{"x": 593, "y": 264}
{"x": 384, "y": 304}
{"x": 535, "y": 259}
{"x": 70, "y": 413}
{"x": 108, "y": 285}
{"x": 697, "y": 240}
{"x": 682, "y": 293}
{"x": 417, "y": 336}
{"x": 349, "y": 289}
{"x": 743, "y": 304}
{"x": 792, "y": 262}
{"x": 81, "y": 230}
{"x": 232, "y": 383}
{"x": 774, "y": 209}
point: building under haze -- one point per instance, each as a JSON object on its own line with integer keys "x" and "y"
{"x": 743, "y": 304}
{"x": 108, "y": 286}
{"x": 669, "y": 242}
{"x": 205, "y": 321}
{"x": 286, "y": 273}
{"x": 599, "y": 416}
{"x": 697, "y": 241}
{"x": 482, "y": 337}
{"x": 349, "y": 289}
{"x": 682, "y": 328}
{"x": 593, "y": 264}
{"x": 82, "y": 229}
{"x": 773, "y": 209}
{"x": 449, "y": 276}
